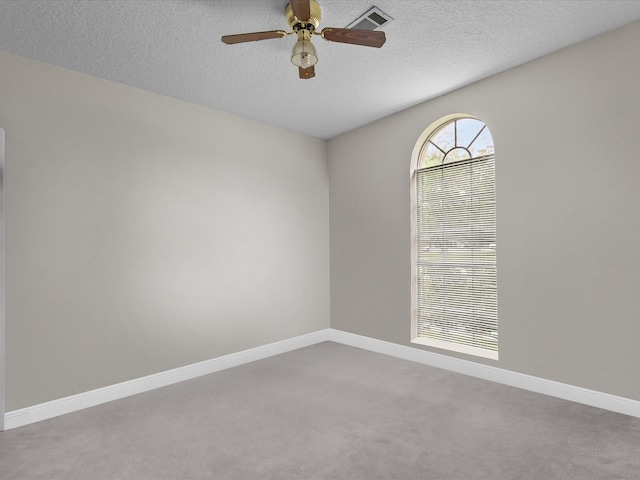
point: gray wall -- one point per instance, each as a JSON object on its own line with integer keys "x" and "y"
{"x": 144, "y": 233}
{"x": 566, "y": 130}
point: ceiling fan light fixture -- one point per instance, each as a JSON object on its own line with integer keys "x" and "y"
{"x": 303, "y": 16}
{"x": 304, "y": 53}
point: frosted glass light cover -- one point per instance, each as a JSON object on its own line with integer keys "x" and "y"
{"x": 304, "y": 54}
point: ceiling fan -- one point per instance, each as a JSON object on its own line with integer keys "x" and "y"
{"x": 303, "y": 16}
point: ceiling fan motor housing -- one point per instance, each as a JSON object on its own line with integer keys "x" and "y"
{"x": 311, "y": 24}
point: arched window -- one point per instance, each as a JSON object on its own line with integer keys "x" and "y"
{"x": 454, "y": 278}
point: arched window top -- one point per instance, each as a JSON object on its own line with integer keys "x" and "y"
{"x": 458, "y": 139}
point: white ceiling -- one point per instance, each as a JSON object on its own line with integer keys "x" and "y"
{"x": 173, "y": 47}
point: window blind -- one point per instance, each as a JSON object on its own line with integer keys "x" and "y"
{"x": 456, "y": 255}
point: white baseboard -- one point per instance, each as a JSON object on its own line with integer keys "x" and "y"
{"x": 61, "y": 406}
{"x": 494, "y": 374}
{"x": 35, "y": 413}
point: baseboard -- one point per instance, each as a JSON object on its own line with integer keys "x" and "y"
{"x": 43, "y": 411}
{"x": 494, "y": 374}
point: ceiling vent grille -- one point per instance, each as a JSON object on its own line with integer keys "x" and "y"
{"x": 373, "y": 19}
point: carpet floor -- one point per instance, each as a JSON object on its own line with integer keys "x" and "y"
{"x": 329, "y": 412}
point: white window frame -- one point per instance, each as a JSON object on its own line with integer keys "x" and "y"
{"x": 428, "y": 133}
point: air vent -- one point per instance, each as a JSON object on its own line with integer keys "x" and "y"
{"x": 373, "y": 19}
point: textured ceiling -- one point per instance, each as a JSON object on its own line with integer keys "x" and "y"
{"x": 173, "y": 47}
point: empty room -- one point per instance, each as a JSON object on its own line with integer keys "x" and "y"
{"x": 261, "y": 239}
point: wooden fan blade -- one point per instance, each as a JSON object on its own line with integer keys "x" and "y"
{"x": 301, "y": 9}
{"x": 367, "y": 38}
{"x": 252, "y": 37}
{"x": 307, "y": 72}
